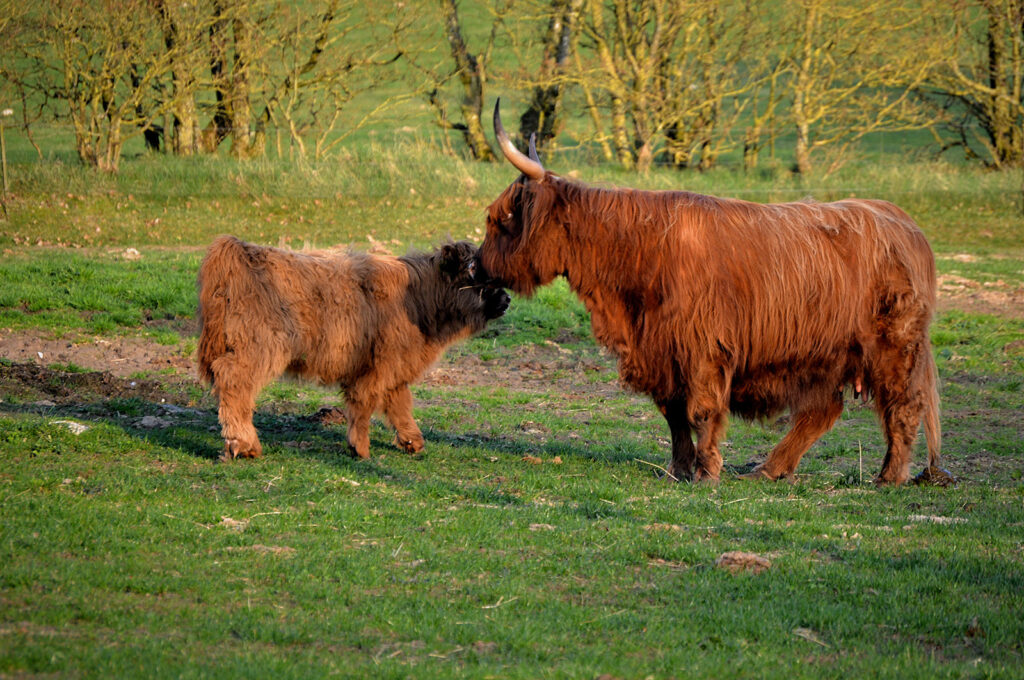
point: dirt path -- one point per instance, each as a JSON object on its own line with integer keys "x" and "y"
{"x": 127, "y": 357}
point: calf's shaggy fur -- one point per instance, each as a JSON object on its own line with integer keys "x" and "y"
{"x": 369, "y": 324}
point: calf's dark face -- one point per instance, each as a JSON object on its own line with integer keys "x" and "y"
{"x": 475, "y": 292}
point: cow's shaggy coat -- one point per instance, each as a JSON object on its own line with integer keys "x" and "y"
{"x": 369, "y": 324}
{"x": 715, "y": 305}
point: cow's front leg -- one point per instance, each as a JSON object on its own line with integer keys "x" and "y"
{"x": 709, "y": 426}
{"x": 398, "y": 409}
{"x": 707, "y": 409}
{"x": 358, "y": 417}
{"x": 680, "y": 467}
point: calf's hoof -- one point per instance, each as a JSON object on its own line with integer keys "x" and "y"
{"x": 360, "y": 452}
{"x": 234, "y": 448}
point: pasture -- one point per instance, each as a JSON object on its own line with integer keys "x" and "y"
{"x": 533, "y": 537}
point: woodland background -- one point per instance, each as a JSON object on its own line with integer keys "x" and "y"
{"x": 806, "y": 85}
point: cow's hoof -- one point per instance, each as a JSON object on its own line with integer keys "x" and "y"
{"x": 414, "y": 445}
{"x": 759, "y": 473}
{"x": 935, "y": 476}
{"x": 671, "y": 474}
{"x": 702, "y": 476}
{"x": 756, "y": 474}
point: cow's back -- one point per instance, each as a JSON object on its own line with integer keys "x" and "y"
{"x": 787, "y": 297}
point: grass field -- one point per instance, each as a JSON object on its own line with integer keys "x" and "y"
{"x": 533, "y": 538}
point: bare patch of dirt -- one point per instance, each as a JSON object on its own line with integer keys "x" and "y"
{"x": 118, "y": 356}
{"x": 527, "y": 367}
{"x": 35, "y": 383}
{"x": 524, "y": 367}
{"x": 999, "y": 298}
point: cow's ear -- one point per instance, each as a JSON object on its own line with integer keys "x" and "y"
{"x": 451, "y": 260}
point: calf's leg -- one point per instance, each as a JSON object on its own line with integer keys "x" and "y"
{"x": 398, "y": 409}
{"x": 237, "y": 385}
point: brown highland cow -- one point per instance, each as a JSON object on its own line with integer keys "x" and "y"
{"x": 715, "y": 305}
{"x": 369, "y": 324}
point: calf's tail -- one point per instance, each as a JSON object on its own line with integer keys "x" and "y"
{"x": 225, "y": 266}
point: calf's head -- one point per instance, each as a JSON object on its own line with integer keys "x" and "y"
{"x": 448, "y": 293}
{"x": 524, "y": 247}
{"x": 474, "y": 290}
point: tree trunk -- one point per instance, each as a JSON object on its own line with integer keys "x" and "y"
{"x": 184, "y": 135}
{"x": 472, "y": 75}
{"x": 242, "y": 138}
{"x": 620, "y": 137}
{"x": 541, "y": 116}
{"x": 1004, "y": 131}
{"x": 218, "y": 128}
{"x": 801, "y": 116}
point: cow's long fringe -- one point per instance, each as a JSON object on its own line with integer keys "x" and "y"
{"x": 726, "y": 304}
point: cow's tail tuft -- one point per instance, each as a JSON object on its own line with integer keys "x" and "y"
{"x": 932, "y": 426}
{"x": 225, "y": 262}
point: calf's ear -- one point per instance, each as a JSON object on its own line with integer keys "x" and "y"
{"x": 451, "y": 260}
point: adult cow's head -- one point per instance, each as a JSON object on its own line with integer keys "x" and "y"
{"x": 524, "y": 248}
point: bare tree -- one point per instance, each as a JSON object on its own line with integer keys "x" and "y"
{"x": 98, "y": 60}
{"x": 845, "y": 82}
{"x": 979, "y": 77}
{"x": 663, "y": 72}
{"x": 471, "y": 71}
{"x": 542, "y": 114}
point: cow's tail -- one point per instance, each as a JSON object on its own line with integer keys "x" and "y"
{"x": 226, "y": 265}
{"x": 932, "y": 427}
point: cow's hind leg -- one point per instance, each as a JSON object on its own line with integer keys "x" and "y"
{"x": 808, "y": 425}
{"x": 683, "y": 453}
{"x": 398, "y": 409}
{"x": 900, "y": 400}
{"x": 236, "y": 385}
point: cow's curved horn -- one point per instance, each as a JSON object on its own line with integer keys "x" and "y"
{"x": 528, "y": 166}
{"x": 533, "y": 148}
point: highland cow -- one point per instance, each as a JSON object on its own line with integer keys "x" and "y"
{"x": 369, "y": 324}
{"x": 716, "y": 305}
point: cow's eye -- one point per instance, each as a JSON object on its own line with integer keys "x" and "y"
{"x": 471, "y": 268}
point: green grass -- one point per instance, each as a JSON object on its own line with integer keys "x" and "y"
{"x": 404, "y": 192}
{"x": 129, "y": 549}
{"x": 533, "y": 538}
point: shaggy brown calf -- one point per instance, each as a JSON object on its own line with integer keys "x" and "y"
{"x": 716, "y": 305}
{"x": 369, "y": 324}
